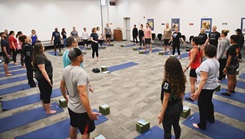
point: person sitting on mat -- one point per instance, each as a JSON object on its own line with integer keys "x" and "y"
{"x": 195, "y": 59}
{"x": 27, "y": 50}
{"x": 81, "y": 115}
{"x": 57, "y": 40}
{"x": 173, "y": 89}
{"x": 207, "y": 80}
{"x": 44, "y": 75}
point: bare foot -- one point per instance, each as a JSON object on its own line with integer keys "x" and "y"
{"x": 51, "y": 112}
{"x": 8, "y": 74}
{"x": 16, "y": 63}
{"x": 195, "y": 125}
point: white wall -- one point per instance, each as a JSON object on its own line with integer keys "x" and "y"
{"x": 189, "y": 11}
{"x": 45, "y": 15}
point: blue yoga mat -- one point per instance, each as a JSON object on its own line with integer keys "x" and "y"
{"x": 154, "y": 133}
{"x": 217, "y": 130}
{"x": 14, "y": 89}
{"x": 15, "y": 72}
{"x": 225, "y": 109}
{"x": 12, "y": 68}
{"x": 242, "y": 76}
{"x": 153, "y": 51}
{"x": 15, "y": 103}
{"x": 52, "y": 53}
{"x": 12, "y": 80}
{"x": 240, "y": 97}
{"x": 26, "y": 117}
{"x": 122, "y": 66}
{"x": 58, "y": 130}
{"x": 239, "y": 84}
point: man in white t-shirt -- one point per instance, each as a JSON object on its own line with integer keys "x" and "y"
{"x": 76, "y": 81}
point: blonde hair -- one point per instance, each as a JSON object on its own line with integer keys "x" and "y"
{"x": 225, "y": 32}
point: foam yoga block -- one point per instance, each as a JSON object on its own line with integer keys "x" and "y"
{"x": 99, "y": 137}
{"x": 103, "y": 68}
{"x": 186, "y": 112}
{"x": 135, "y": 48}
{"x": 122, "y": 45}
{"x": 161, "y": 53}
{"x": 141, "y": 51}
{"x": 142, "y": 126}
{"x": 103, "y": 47}
{"x": 62, "y": 103}
{"x": 104, "y": 109}
{"x": 60, "y": 54}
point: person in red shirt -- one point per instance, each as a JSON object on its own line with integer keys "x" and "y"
{"x": 196, "y": 57}
{"x": 13, "y": 46}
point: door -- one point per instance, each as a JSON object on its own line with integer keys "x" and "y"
{"x": 127, "y": 30}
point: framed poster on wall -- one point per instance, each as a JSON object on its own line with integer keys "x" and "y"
{"x": 151, "y": 23}
{"x": 175, "y": 22}
{"x": 206, "y": 23}
{"x": 243, "y": 25}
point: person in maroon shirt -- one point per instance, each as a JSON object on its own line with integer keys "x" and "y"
{"x": 13, "y": 46}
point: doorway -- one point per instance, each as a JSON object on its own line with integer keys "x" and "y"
{"x": 126, "y": 29}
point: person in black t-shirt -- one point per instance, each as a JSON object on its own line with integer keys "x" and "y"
{"x": 135, "y": 34}
{"x": 173, "y": 88}
{"x": 232, "y": 65}
{"x": 94, "y": 40}
{"x": 240, "y": 43}
{"x": 141, "y": 35}
{"x": 203, "y": 37}
{"x": 44, "y": 75}
{"x": 57, "y": 40}
{"x": 63, "y": 33}
{"x": 176, "y": 37}
{"x": 5, "y": 53}
{"x": 213, "y": 37}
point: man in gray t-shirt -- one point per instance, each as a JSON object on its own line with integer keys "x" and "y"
{"x": 74, "y": 33}
{"x": 76, "y": 81}
{"x": 108, "y": 34}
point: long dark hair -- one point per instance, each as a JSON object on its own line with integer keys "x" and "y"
{"x": 18, "y": 34}
{"x": 38, "y": 46}
{"x": 175, "y": 76}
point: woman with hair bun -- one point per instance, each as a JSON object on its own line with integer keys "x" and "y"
{"x": 222, "y": 48}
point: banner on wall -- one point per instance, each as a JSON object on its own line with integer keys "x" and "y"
{"x": 206, "y": 23}
{"x": 175, "y": 22}
{"x": 151, "y": 23}
{"x": 243, "y": 25}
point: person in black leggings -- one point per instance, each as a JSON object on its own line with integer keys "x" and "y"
{"x": 176, "y": 37}
{"x": 94, "y": 40}
{"x": 141, "y": 35}
{"x": 173, "y": 89}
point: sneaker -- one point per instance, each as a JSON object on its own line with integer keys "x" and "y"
{"x": 231, "y": 91}
{"x": 150, "y": 52}
{"x": 188, "y": 98}
{"x": 225, "y": 94}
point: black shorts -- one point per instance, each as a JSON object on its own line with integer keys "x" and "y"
{"x": 166, "y": 41}
{"x": 108, "y": 36}
{"x": 82, "y": 122}
{"x": 232, "y": 69}
{"x": 6, "y": 59}
{"x": 57, "y": 43}
{"x": 147, "y": 41}
{"x": 193, "y": 73}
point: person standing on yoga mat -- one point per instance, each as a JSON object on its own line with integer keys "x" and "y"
{"x": 176, "y": 37}
{"x": 195, "y": 59}
{"x": 173, "y": 89}
{"x": 74, "y": 33}
{"x": 232, "y": 64}
{"x": 63, "y": 33}
{"x": 34, "y": 37}
{"x": 19, "y": 47}
{"x": 207, "y": 80}
{"x": 108, "y": 34}
{"x": 5, "y": 53}
{"x": 44, "y": 75}
{"x": 147, "y": 37}
{"x": 167, "y": 32}
{"x": 81, "y": 115}
{"x": 13, "y": 46}
{"x": 213, "y": 36}
{"x": 94, "y": 41}
{"x": 27, "y": 50}
{"x": 141, "y": 35}
{"x": 100, "y": 36}
{"x": 203, "y": 38}
{"x": 57, "y": 40}
{"x": 135, "y": 35}
{"x": 71, "y": 43}
{"x": 222, "y": 48}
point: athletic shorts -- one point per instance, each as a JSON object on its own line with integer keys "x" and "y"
{"x": 82, "y": 122}
{"x": 6, "y": 59}
{"x": 108, "y": 35}
{"x": 166, "y": 42}
{"x": 57, "y": 43}
{"x": 193, "y": 73}
{"x": 232, "y": 69}
{"x": 147, "y": 41}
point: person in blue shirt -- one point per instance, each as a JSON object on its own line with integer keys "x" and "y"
{"x": 57, "y": 40}
{"x": 71, "y": 42}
